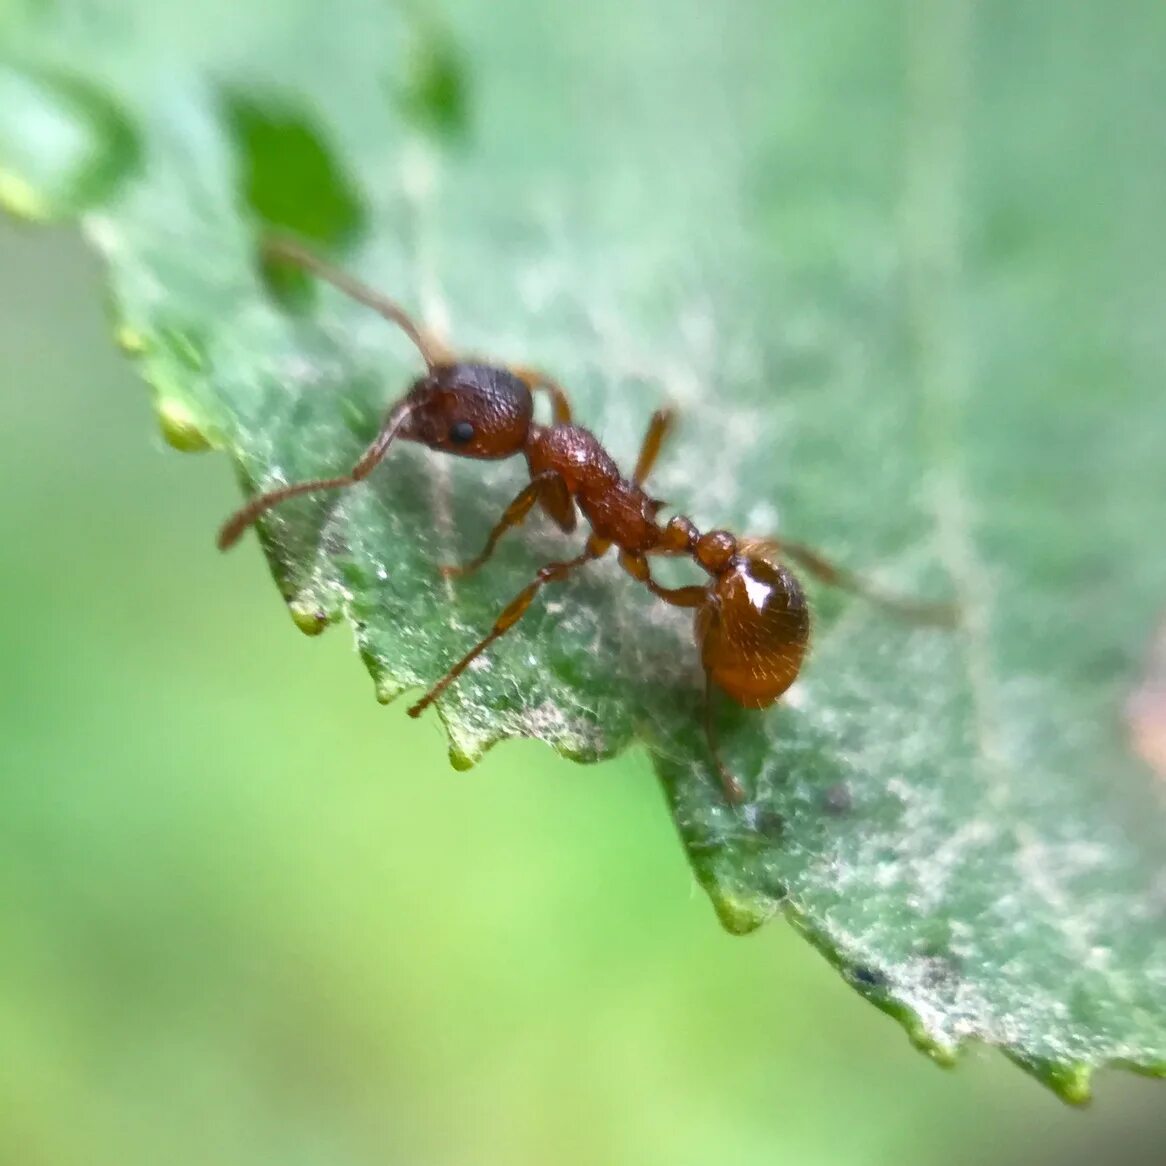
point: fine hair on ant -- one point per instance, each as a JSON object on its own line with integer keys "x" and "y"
{"x": 751, "y": 619}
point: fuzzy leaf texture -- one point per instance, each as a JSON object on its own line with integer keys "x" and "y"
{"x": 899, "y": 268}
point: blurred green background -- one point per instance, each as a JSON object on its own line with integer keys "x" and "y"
{"x": 233, "y": 932}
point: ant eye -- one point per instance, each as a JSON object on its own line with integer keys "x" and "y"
{"x": 461, "y": 432}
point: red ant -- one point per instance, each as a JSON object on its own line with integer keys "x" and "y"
{"x": 752, "y": 621}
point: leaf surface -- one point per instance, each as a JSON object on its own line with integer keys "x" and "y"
{"x": 899, "y": 272}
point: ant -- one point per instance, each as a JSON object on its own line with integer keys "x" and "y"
{"x": 752, "y": 621}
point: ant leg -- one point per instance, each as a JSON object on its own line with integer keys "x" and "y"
{"x": 535, "y": 379}
{"x": 231, "y": 530}
{"x": 637, "y": 566}
{"x": 432, "y": 350}
{"x": 511, "y": 614}
{"x": 658, "y": 429}
{"x": 734, "y": 790}
{"x": 515, "y": 513}
{"x": 917, "y": 610}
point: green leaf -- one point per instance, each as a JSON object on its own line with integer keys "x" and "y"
{"x": 900, "y": 269}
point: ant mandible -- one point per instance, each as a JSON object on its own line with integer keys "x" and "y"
{"x": 752, "y": 622}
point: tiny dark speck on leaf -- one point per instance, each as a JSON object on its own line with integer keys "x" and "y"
{"x": 838, "y": 799}
{"x": 867, "y": 977}
{"x": 940, "y": 969}
{"x": 767, "y": 821}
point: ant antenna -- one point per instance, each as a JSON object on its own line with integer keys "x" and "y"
{"x": 243, "y": 517}
{"x": 280, "y": 247}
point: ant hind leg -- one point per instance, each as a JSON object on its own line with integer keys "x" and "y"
{"x": 920, "y": 611}
{"x": 734, "y": 790}
{"x": 692, "y": 596}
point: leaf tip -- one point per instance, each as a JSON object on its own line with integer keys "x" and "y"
{"x": 310, "y": 620}
{"x": 386, "y": 689}
{"x": 1072, "y": 1083}
{"x": 21, "y": 200}
{"x": 130, "y": 340}
{"x": 740, "y": 915}
{"x": 461, "y": 759}
{"x": 180, "y": 428}
{"x": 942, "y": 1053}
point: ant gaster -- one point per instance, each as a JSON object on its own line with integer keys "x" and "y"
{"x": 752, "y": 623}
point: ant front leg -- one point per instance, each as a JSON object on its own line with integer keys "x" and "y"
{"x": 916, "y": 610}
{"x": 511, "y": 614}
{"x": 512, "y": 516}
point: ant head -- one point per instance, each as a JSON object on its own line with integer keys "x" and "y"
{"x": 472, "y": 410}
{"x": 755, "y": 627}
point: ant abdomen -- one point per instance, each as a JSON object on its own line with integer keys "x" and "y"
{"x": 754, "y": 630}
